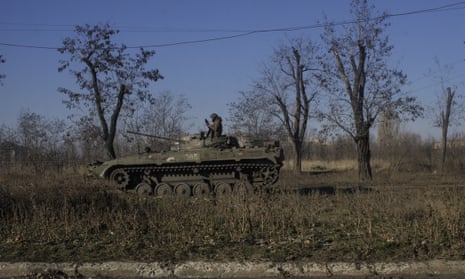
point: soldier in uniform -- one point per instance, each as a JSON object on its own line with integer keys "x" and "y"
{"x": 216, "y": 127}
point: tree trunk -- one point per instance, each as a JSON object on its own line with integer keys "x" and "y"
{"x": 110, "y": 149}
{"x": 110, "y": 132}
{"x": 297, "y": 156}
{"x": 445, "y": 116}
{"x": 364, "y": 158}
{"x": 444, "y": 146}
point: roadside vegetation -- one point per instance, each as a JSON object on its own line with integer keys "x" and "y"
{"x": 345, "y": 193}
{"x": 322, "y": 215}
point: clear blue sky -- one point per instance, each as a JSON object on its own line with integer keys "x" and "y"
{"x": 209, "y": 74}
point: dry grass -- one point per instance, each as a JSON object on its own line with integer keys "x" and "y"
{"x": 321, "y": 216}
{"x": 320, "y": 165}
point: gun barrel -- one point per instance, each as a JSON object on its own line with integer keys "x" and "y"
{"x": 153, "y": 136}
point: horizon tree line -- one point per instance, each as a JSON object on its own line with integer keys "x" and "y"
{"x": 342, "y": 80}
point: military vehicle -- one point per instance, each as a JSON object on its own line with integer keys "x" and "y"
{"x": 196, "y": 166}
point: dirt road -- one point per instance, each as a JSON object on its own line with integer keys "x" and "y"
{"x": 414, "y": 270}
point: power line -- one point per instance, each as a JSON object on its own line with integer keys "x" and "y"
{"x": 444, "y": 8}
{"x": 297, "y": 28}
{"x": 244, "y": 33}
{"x": 144, "y": 29}
{"x": 28, "y": 46}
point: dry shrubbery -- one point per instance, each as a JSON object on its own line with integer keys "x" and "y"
{"x": 321, "y": 217}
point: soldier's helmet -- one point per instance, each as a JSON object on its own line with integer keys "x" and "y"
{"x": 213, "y": 115}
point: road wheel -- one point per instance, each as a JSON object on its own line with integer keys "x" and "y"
{"x": 163, "y": 189}
{"x": 182, "y": 190}
{"x": 144, "y": 189}
{"x": 222, "y": 188}
{"x": 243, "y": 186}
{"x": 201, "y": 189}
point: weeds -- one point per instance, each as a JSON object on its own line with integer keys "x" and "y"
{"x": 75, "y": 219}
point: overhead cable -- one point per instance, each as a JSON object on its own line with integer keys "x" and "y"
{"x": 448, "y": 7}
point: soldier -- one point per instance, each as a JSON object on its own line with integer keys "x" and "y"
{"x": 215, "y": 128}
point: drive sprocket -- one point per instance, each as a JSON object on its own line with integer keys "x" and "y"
{"x": 119, "y": 178}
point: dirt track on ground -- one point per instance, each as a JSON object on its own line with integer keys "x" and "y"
{"x": 414, "y": 270}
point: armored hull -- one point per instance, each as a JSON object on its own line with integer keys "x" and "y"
{"x": 196, "y": 167}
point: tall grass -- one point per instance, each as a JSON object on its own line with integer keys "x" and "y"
{"x": 316, "y": 217}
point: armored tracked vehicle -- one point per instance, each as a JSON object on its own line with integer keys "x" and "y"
{"x": 197, "y": 166}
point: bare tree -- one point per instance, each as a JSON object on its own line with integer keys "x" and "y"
{"x": 42, "y": 140}
{"x": 8, "y": 147}
{"x": 359, "y": 82}
{"x": 449, "y": 107}
{"x": 253, "y": 115}
{"x": 86, "y": 133}
{"x": 8, "y": 134}
{"x": 388, "y": 135}
{"x": 164, "y": 117}
{"x": 32, "y": 132}
{"x": 288, "y": 80}
{"x": 444, "y": 120}
{"x": 111, "y": 79}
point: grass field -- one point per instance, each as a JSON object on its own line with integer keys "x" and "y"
{"x": 321, "y": 215}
